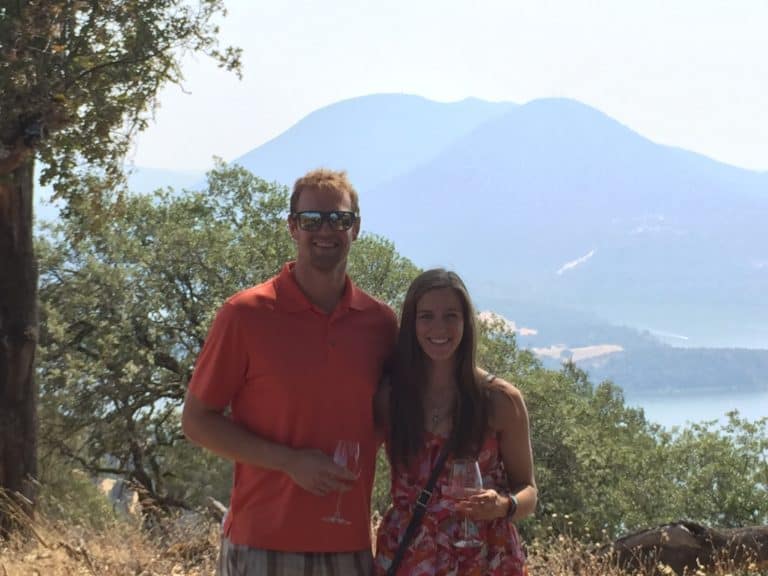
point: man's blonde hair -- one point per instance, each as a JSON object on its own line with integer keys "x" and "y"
{"x": 324, "y": 179}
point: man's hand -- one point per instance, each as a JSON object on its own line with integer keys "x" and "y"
{"x": 311, "y": 469}
{"x": 484, "y": 505}
{"x": 317, "y": 473}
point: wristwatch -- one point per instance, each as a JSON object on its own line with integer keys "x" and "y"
{"x": 512, "y": 505}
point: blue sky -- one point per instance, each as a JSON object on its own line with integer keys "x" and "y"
{"x": 686, "y": 73}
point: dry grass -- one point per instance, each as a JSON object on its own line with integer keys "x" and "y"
{"x": 125, "y": 550}
{"x": 50, "y": 548}
{"x": 567, "y": 557}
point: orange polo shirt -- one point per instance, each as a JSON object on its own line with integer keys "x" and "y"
{"x": 297, "y": 376}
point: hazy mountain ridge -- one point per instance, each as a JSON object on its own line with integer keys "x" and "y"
{"x": 677, "y": 371}
{"x": 554, "y": 181}
{"x": 640, "y": 362}
{"x": 374, "y": 138}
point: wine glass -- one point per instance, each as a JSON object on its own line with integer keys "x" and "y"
{"x": 347, "y": 454}
{"x": 465, "y": 480}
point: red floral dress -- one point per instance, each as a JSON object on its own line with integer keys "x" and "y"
{"x": 431, "y": 552}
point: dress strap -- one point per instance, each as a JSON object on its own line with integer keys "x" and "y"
{"x": 490, "y": 378}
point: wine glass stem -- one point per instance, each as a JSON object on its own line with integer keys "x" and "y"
{"x": 466, "y": 529}
{"x": 338, "y": 506}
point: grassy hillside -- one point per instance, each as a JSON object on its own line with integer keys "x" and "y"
{"x": 76, "y": 532}
{"x": 56, "y": 549}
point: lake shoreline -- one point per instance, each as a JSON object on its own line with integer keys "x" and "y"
{"x": 681, "y": 410}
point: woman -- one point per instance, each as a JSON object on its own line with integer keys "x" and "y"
{"x": 436, "y": 394}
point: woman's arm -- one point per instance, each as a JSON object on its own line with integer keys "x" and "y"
{"x": 508, "y": 418}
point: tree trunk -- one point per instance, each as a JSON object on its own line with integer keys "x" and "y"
{"x": 18, "y": 340}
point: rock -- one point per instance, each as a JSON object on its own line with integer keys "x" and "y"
{"x": 687, "y": 545}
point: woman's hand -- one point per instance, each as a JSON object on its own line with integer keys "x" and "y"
{"x": 484, "y": 505}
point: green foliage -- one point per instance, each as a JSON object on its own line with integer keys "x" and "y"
{"x": 498, "y": 353}
{"x": 602, "y": 469}
{"x": 595, "y": 459}
{"x": 81, "y": 78}
{"x": 720, "y": 472}
{"x": 377, "y": 268}
{"x": 71, "y": 497}
{"x": 380, "y": 498}
{"x": 613, "y": 476}
{"x": 191, "y": 474}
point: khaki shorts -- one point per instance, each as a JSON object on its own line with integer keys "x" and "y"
{"x": 237, "y": 560}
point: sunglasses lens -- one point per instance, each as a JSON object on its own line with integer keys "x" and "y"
{"x": 337, "y": 220}
{"x": 310, "y": 221}
{"x": 341, "y": 220}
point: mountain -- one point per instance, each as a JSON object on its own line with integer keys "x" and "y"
{"x": 554, "y": 203}
{"x": 655, "y": 371}
{"x": 374, "y": 138}
{"x": 558, "y": 203}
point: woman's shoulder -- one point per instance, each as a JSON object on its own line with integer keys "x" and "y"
{"x": 496, "y": 388}
{"x": 505, "y": 401}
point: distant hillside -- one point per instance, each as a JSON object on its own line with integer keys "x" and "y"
{"x": 638, "y": 361}
{"x": 555, "y": 202}
{"x": 552, "y": 203}
{"x": 375, "y": 138}
{"x": 557, "y": 325}
{"x": 683, "y": 371}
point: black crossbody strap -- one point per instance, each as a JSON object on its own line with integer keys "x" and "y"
{"x": 419, "y": 509}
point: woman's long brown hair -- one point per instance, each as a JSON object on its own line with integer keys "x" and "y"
{"x": 409, "y": 378}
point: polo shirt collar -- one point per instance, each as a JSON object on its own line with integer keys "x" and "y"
{"x": 291, "y": 298}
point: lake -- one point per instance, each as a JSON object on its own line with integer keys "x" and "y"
{"x": 680, "y": 410}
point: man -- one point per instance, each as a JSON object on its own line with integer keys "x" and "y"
{"x": 296, "y": 360}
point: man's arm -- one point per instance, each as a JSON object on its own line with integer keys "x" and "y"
{"x": 313, "y": 470}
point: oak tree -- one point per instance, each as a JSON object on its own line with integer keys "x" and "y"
{"x": 79, "y": 78}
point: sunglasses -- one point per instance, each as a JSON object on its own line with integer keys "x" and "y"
{"x": 312, "y": 220}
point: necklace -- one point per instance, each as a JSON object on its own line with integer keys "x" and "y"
{"x": 439, "y": 403}
{"x": 438, "y": 414}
